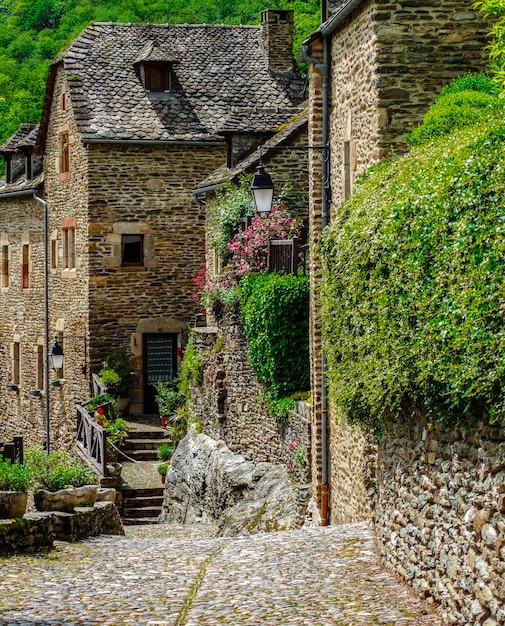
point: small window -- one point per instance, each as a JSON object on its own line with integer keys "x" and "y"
{"x": 29, "y": 166}
{"x": 64, "y": 152}
{"x": 5, "y": 266}
{"x": 68, "y": 248}
{"x": 40, "y": 367}
{"x": 157, "y": 77}
{"x": 54, "y": 254}
{"x": 16, "y": 362}
{"x": 347, "y": 169}
{"x": 25, "y": 267}
{"x": 132, "y": 250}
{"x": 8, "y": 168}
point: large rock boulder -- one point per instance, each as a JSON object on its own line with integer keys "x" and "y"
{"x": 206, "y": 482}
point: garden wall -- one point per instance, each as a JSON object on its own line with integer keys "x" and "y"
{"x": 439, "y": 516}
{"x": 231, "y": 407}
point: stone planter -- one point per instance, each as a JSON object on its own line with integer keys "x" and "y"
{"x": 12, "y": 504}
{"x": 65, "y": 499}
{"x": 122, "y": 405}
{"x": 114, "y": 470}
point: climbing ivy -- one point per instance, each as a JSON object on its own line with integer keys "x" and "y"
{"x": 275, "y": 315}
{"x": 413, "y": 299}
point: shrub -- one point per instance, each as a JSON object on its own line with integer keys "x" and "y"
{"x": 117, "y": 361}
{"x": 163, "y": 468}
{"x": 451, "y": 111}
{"x": 165, "y": 451}
{"x": 14, "y": 476}
{"x": 275, "y": 315}
{"x": 167, "y": 397}
{"x": 412, "y": 298}
{"x": 57, "y": 470}
{"x": 470, "y": 82}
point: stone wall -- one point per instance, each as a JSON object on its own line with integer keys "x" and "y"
{"x": 231, "y": 406}
{"x": 439, "y": 516}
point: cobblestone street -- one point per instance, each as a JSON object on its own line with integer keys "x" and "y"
{"x": 171, "y": 576}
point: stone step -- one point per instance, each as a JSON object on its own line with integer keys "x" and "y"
{"x": 138, "y": 521}
{"x": 147, "y": 492}
{"x": 141, "y": 444}
{"x": 145, "y": 511}
{"x": 131, "y": 503}
{"x": 140, "y": 455}
{"x": 147, "y": 434}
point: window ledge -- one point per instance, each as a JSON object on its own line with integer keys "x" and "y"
{"x": 66, "y": 273}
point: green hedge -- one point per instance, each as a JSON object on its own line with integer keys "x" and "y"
{"x": 275, "y": 315}
{"x": 413, "y": 293}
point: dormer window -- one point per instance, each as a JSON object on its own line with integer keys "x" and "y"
{"x": 154, "y": 68}
{"x": 157, "y": 77}
{"x": 28, "y": 166}
{"x": 8, "y": 168}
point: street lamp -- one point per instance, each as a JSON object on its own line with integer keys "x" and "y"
{"x": 262, "y": 189}
{"x": 56, "y": 356}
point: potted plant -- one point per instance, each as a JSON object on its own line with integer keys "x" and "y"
{"x": 55, "y": 382}
{"x": 119, "y": 378}
{"x": 35, "y": 393}
{"x": 162, "y": 471}
{"x": 168, "y": 399}
{"x": 15, "y": 480}
{"x": 62, "y": 482}
{"x": 165, "y": 451}
{"x": 12, "y": 387}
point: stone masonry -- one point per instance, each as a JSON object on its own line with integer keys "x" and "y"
{"x": 439, "y": 515}
{"x": 231, "y": 402}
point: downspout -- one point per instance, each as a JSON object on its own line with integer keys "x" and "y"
{"x": 322, "y": 67}
{"x": 46, "y": 316}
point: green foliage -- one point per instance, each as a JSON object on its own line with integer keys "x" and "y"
{"x": 165, "y": 451}
{"x": 191, "y": 369}
{"x": 118, "y": 362}
{"x": 454, "y": 110}
{"x": 14, "y": 476}
{"x": 163, "y": 469}
{"x": 231, "y": 203}
{"x": 470, "y": 82}
{"x": 279, "y": 407}
{"x": 111, "y": 379}
{"x": 167, "y": 397}
{"x": 412, "y": 295}
{"x": 33, "y": 32}
{"x": 57, "y": 470}
{"x": 275, "y": 315}
{"x": 495, "y": 9}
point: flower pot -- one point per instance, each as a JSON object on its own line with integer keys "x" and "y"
{"x": 114, "y": 470}
{"x": 12, "y": 504}
{"x": 35, "y": 393}
{"x": 12, "y": 387}
{"x": 163, "y": 479}
{"x": 122, "y": 405}
{"x": 55, "y": 382}
{"x": 164, "y": 422}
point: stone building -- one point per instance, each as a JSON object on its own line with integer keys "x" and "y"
{"x": 135, "y": 115}
{"x": 375, "y": 67}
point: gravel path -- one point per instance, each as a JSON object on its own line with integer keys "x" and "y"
{"x": 172, "y": 576}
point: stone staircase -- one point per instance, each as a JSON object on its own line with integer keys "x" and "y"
{"x": 142, "y": 493}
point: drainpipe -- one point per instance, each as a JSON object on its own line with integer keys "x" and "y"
{"x": 322, "y": 67}
{"x": 46, "y": 316}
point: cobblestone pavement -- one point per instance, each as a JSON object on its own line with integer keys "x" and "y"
{"x": 163, "y": 575}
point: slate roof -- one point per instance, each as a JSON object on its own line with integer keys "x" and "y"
{"x": 24, "y": 137}
{"x": 221, "y": 83}
{"x": 23, "y": 140}
{"x": 224, "y": 174}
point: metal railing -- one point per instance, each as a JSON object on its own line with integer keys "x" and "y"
{"x": 12, "y": 450}
{"x": 91, "y": 439}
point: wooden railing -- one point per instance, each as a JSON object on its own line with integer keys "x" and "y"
{"x": 12, "y": 450}
{"x": 91, "y": 440}
{"x": 97, "y": 385}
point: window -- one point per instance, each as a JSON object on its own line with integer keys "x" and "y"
{"x": 16, "y": 362}
{"x": 8, "y": 168}
{"x": 5, "y": 266}
{"x": 25, "y": 267}
{"x": 347, "y": 169}
{"x": 29, "y": 166}
{"x": 157, "y": 77}
{"x": 54, "y": 253}
{"x": 64, "y": 155}
{"x": 132, "y": 250}
{"x": 68, "y": 246}
{"x": 40, "y": 367}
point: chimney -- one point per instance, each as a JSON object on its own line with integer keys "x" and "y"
{"x": 276, "y": 29}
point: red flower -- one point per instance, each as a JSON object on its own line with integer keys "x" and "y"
{"x": 99, "y": 411}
